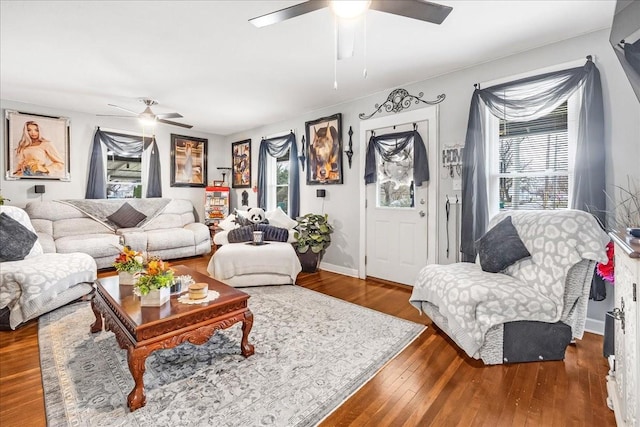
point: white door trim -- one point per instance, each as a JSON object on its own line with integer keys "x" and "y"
{"x": 431, "y": 114}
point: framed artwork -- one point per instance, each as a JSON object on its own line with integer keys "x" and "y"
{"x": 324, "y": 150}
{"x": 38, "y": 146}
{"x": 241, "y": 161}
{"x": 188, "y": 161}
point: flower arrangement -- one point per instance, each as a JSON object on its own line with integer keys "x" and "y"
{"x": 156, "y": 275}
{"x": 129, "y": 260}
{"x": 606, "y": 270}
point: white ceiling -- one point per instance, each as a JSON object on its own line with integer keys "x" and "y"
{"x": 205, "y": 61}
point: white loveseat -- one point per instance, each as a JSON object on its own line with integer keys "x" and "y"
{"x": 168, "y": 231}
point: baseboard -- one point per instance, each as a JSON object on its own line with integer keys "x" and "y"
{"x": 338, "y": 269}
{"x": 594, "y": 326}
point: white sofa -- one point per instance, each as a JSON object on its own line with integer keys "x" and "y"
{"x": 169, "y": 230}
{"x": 41, "y": 281}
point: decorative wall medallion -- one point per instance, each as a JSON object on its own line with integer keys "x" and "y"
{"x": 400, "y": 99}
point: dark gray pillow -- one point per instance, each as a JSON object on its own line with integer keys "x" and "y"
{"x": 500, "y": 247}
{"x": 273, "y": 233}
{"x": 127, "y": 216}
{"x": 16, "y": 240}
{"x": 242, "y": 234}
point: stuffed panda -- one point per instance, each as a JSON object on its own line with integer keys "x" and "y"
{"x": 257, "y": 216}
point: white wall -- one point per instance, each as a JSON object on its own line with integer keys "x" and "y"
{"x": 82, "y": 129}
{"x": 622, "y": 138}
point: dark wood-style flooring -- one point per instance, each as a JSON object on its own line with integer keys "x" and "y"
{"x": 431, "y": 383}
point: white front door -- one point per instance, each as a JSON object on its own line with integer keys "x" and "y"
{"x": 400, "y": 216}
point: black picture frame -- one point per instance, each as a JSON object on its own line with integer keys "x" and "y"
{"x": 52, "y": 142}
{"x": 241, "y": 164}
{"x": 188, "y": 161}
{"x": 324, "y": 150}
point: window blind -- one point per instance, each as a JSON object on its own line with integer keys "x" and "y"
{"x": 534, "y": 162}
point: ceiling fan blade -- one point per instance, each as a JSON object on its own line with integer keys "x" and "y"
{"x": 417, "y": 9}
{"x": 168, "y": 122}
{"x": 288, "y": 13}
{"x": 169, "y": 116}
{"x": 124, "y": 109}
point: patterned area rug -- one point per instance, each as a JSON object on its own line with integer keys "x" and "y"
{"x": 312, "y": 352}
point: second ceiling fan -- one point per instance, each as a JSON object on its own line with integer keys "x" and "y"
{"x": 148, "y": 116}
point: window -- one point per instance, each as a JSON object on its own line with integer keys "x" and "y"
{"x": 531, "y": 162}
{"x": 124, "y": 176}
{"x": 395, "y": 180}
{"x": 282, "y": 182}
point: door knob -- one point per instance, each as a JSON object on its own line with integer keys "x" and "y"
{"x": 618, "y": 314}
{"x": 422, "y": 201}
{"x": 422, "y": 214}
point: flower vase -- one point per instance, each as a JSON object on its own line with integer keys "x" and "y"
{"x": 126, "y": 278}
{"x": 155, "y": 297}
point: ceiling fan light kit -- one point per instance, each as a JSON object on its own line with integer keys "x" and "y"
{"x": 349, "y": 9}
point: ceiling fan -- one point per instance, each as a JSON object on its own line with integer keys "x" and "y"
{"x": 148, "y": 117}
{"x": 347, "y": 13}
{"x": 416, "y": 9}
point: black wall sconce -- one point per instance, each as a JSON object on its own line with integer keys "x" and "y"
{"x": 38, "y": 189}
{"x": 349, "y": 152}
{"x": 302, "y": 157}
{"x": 321, "y": 193}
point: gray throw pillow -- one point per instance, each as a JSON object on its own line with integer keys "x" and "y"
{"x": 500, "y": 247}
{"x": 273, "y": 233}
{"x": 242, "y": 234}
{"x": 127, "y": 216}
{"x": 16, "y": 240}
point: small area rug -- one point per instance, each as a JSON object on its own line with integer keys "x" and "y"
{"x": 312, "y": 352}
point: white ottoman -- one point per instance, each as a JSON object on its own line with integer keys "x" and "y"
{"x": 242, "y": 264}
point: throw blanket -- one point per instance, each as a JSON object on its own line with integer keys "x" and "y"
{"x": 27, "y": 286}
{"x": 236, "y": 259}
{"x": 100, "y": 209}
{"x": 531, "y": 289}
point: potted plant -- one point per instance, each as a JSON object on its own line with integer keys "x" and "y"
{"x": 3, "y": 199}
{"x": 313, "y": 235}
{"x": 154, "y": 283}
{"x": 127, "y": 264}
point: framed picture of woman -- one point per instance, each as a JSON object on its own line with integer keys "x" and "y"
{"x": 188, "y": 161}
{"x": 241, "y": 163}
{"x": 38, "y": 146}
{"x": 324, "y": 150}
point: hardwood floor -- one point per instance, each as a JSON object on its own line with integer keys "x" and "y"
{"x": 430, "y": 383}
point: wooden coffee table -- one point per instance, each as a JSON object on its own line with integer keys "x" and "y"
{"x": 142, "y": 330}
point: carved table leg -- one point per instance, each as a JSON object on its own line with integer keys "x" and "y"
{"x": 247, "y": 323}
{"x": 97, "y": 325}
{"x": 136, "y": 358}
